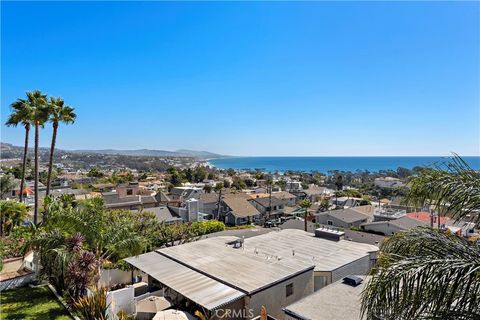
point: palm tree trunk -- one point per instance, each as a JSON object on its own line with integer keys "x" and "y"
{"x": 35, "y": 212}
{"x": 306, "y": 214}
{"x": 50, "y": 162}
{"x": 24, "y": 163}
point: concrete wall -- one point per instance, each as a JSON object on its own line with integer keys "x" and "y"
{"x": 321, "y": 279}
{"x": 122, "y": 299}
{"x": 386, "y": 228}
{"x": 110, "y": 277}
{"x": 274, "y": 298}
{"x": 210, "y": 208}
{"x": 232, "y": 311}
{"x": 359, "y": 267}
{"x": 11, "y": 265}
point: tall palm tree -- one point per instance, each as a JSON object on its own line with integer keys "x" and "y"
{"x": 339, "y": 185}
{"x": 58, "y": 112}
{"x": 38, "y": 102}
{"x": 426, "y": 273}
{"x": 22, "y": 111}
{"x": 306, "y": 204}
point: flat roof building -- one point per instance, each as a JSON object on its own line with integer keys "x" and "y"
{"x": 338, "y": 301}
{"x": 274, "y": 269}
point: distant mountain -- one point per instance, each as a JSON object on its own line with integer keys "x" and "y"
{"x": 10, "y": 149}
{"x": 156, "y": 153}
{"x": 139, "y": 152}
{"x": 199, "y": 154}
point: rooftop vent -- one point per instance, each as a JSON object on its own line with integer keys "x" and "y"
{"x": 236, "y": 243}
{"x": 329, "y": 233}
{"x": 352, "y": 280}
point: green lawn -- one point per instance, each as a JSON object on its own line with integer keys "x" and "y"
{"x": 31, "y": 304}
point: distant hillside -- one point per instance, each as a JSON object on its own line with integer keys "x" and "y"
{"x": 8, "y": 150}
{"x": 155, "y": 153}
{"x": 139, "y": 152}
{"x": 199, "y": 154}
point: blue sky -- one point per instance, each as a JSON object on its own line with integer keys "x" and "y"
{"x": 280, "y": 78}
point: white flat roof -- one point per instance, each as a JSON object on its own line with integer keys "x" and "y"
{"x": 266, "y": 259}
{"x": 327, "y": 255}
{"x": 195, "y": 286}
{"x": 338, "y": 301}
{"x": 239, "y": 268}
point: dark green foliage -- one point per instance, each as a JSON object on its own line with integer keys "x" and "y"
{"x": 238, "y": 184}
{"x": 430, "y": 274}
{"x": 424, "y": 273}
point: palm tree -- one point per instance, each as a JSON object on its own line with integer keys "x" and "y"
{"x": 306, "y": 204}
{"x": 426, "y": 273}
{"x": 339, "y": 185}
{"x": 38, "y": 103}
{"x": 22, "y": 111}
{"x": 12, "y": 214}
{"x": 7, "y": 183}
{"x": 58, "y": 112}
{"x": 108, "y": 236}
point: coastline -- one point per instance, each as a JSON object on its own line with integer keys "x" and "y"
{"x": 325, "y": 164}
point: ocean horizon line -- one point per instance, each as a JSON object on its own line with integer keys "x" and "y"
{"x": 331, "y": 163}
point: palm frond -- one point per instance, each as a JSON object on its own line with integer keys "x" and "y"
{"x": 427, "y": 274}
{"x": 451, "y": 187}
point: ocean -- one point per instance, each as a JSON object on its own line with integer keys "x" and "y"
{"x": 325, "y": 164}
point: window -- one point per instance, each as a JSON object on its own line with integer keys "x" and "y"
{"x": 330, "y": 222}
{"x": 129, "y": 192}
{"x": 289, "y": 290}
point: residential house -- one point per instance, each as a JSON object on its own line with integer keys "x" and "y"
{"x": 208, "y": 203}
{"x": 343, "y": 218}
{"x": 346, "y": 201}
{"x": 294, "y": 186}
{"x": 288, "y": 199}
{"x": 113, "y": 200}
{"x": 185, "y": 193}
{"x": 164, "y": 214}
{"x": 391, "y": 227}
{"x": 274, "y": 270}
{"x": 237, "y": 210}
{"x": 388, "y": 213}
{"x": 163, "y": 198}
{"x": 31, "y": 184}
{"x": 127, "y": 189}
{"x": 269, "y": 206}
{"x": 315, "y": 193}
{"x": 388, "y": 182}
{"x": 260, "y": 190}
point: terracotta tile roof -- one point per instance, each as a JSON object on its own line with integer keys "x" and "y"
{"x": 425, "y": 217}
